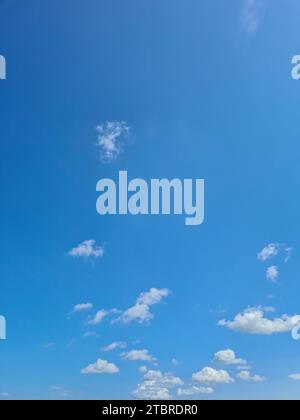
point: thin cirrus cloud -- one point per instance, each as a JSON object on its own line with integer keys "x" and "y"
{"x": 87, "y": 249}
{"x": 251, "y": 16}
{"x": 138, "y": 355}
{"x": 295, "y": 376}
{"x": 157, "y": 385}
{"x": 100, "y": 367}
{"x": 228, "y": 357}
{"x": 114, "y": 346}
{"x": 140, "y": 312}
{"x": 110, "y": 139}
{"x": 253, "y": 321}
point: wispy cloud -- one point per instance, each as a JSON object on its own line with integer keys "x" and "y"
{"x": 111, "y": 139}
{"x": 114, "y": 346}
{"x": 87, "y": 249}
{"x": 268, "y": 252}
{"x": 251, "y": 16}
{"x": 98, "y": 317}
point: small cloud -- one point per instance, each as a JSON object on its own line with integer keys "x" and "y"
{"x": 110, "y": 139}
{"x": 270, "y": 251}
{"x": 140, "y": 312}
{"x": 49, "y": 345}
{"x": 100, "y": 367}
{"x": 209, "y": 376}
{"x": 247, "y": 377}
{"x": 138, "y": 355}
{"x": 295, "y": 376}
{"x": 288, "y": 254}
{"x": 272, "y": 273}
{"x": 98, "y": 318}
{"x": 251, "y": 16}
{"x": 90, "y": 334}
{"x": 253, "y": 321}
{"x": 194, "y": 390}
{"x": 228, "y": 357}
{"x": 175, "y": 362}
{"x": 87, "y": 249}
{"x": 114, "y": 346}
{"x": 157, "y": 385}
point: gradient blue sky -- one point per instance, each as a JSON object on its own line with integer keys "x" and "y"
{"x": 206, "y": 88}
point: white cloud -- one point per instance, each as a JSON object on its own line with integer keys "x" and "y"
{"x": 175, "y": 362}
{"x": 138, "y": 355}
{"x": 157, "y": 386}
{"x": 194, "y": 390}
{"x": 87, "y": 249}
{"x": 270, "y": 251}
{"x": 114, "y": 346}
{"x": 253, "y": 321}
{"x": 251, "y": 15}
{"x": 209, "y": 376}
{"x": 140, "y": 312}
{"x": 98, "y": 318}
{"x": 272, "y": 273}
{"x": 288, "y": 254}
{"x": 228, "y": 357}
{"x": 247, "y": 377}
{"x": 82, "y": 307}
{"x": 89, "y": 334}
{"x": 295, "y": 376}
{"x": 110, "y": 139}
{"x": 100, "y": 367}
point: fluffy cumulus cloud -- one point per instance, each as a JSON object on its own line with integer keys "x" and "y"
{"x": 270, "y": 251}
{"x": 157, "y": 386}
{"x": 87, "y": 249}
{"x": 114, "y": 346}
{"x": 140, "y": 312}
{"x": 100, "y": 367}
{"x": 111, "y": 139}
{"x": 272, "y": 273}
{"x": 245, "y": 376}
{"x": 210, "y": 376}
{"x": 138, "y": 355}
{"x": 251, "y": 16}
{"x": 253, "y": 321}
{"x": 228, "y": 357}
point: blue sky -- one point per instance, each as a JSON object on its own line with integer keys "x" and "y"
{"x": 206, "y": 90}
